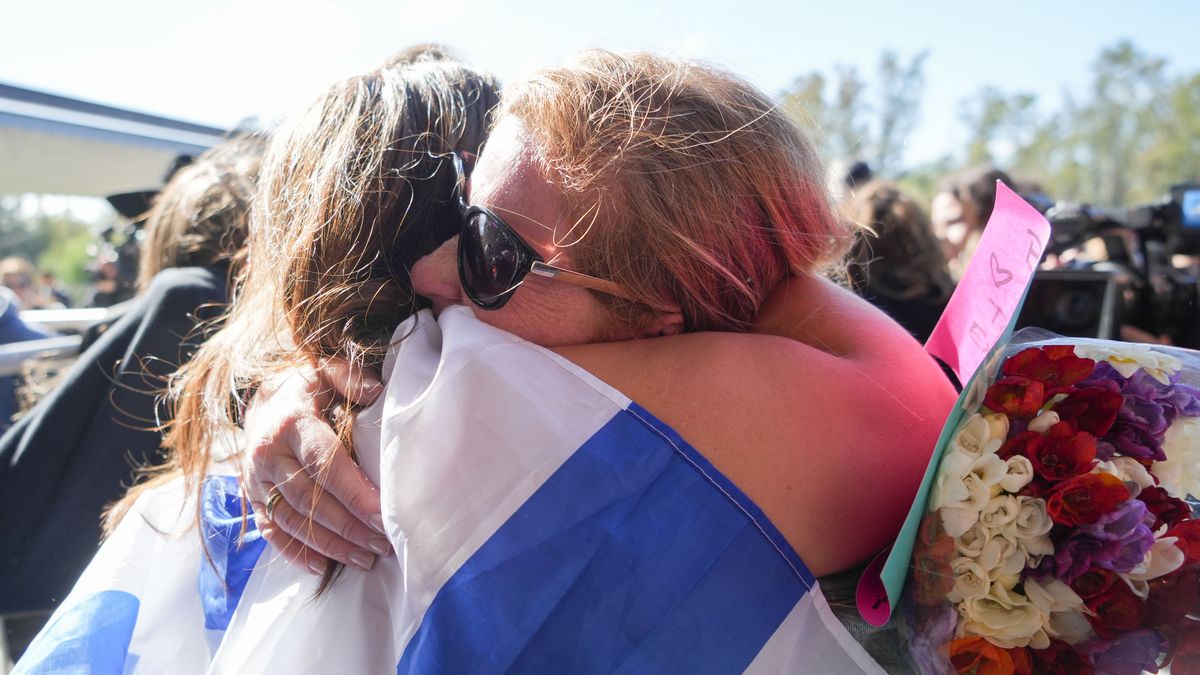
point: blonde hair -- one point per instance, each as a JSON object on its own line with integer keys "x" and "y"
{"x": 683, "y": 183}
{"x": 201, "y": 216}
{"x": 351, "y": 194}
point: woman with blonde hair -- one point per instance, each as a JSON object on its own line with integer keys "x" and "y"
{"x": 637, "y": 266}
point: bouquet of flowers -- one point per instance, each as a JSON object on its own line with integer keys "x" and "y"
{"x": 1058, "y": 537}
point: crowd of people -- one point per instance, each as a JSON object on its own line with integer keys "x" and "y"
{"x": 645, "y": 227}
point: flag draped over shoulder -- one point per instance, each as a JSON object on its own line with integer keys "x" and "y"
{"x": 543, "y": 522}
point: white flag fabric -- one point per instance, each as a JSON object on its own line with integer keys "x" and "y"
{"x": 543, "y": 522}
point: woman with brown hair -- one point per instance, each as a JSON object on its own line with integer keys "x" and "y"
{"x": 896, "y": 262}
{"x": 78, "y": 448}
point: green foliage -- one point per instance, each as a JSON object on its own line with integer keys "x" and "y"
{"x": 1133, "y": 131}
{"x": 847, "y": 122}
{"x": 70, "y": 251}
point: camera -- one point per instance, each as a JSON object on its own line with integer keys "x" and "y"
{"x": 1125, "y": 274}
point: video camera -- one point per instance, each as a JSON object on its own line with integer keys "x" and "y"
{"x": 1135, "y": 282}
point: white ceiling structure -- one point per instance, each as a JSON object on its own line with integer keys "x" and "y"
{"x": 56, "y": 145}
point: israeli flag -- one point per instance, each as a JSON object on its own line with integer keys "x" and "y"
{"x": 543, "y": 522}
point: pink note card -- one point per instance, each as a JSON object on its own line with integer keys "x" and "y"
{"x": 992, "y": 288}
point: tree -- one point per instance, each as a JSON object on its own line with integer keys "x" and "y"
{"x": 847, "y": 122}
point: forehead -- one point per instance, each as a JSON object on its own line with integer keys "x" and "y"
{"x": 508, "y": 180}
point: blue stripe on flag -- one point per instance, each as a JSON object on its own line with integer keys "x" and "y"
{"x": 90, "y": 637}
{"x": 636, "y": 556}
{"x": 229, "y": 560}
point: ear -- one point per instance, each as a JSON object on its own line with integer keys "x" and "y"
{"x": 663, "y": 323}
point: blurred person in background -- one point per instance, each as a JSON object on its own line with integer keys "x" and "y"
{"x": 77, "y": 449}
{"x": 55, "y": 290}
{"x": 21, "y": 277}
{"x": 898, "y": 264}
{"x": 960, "y": 211}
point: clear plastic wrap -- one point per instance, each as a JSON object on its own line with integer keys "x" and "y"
{"x": 1059, "y": 533}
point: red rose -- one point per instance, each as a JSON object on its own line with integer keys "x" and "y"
{"x": 1063, "y": 453}
{"x": 1166, "y": 509}
{"x": 1024, "y": 444}
{"x": 1189, "y": 540}
{"x": 1117, "y": 610}
{"x": 1055, "y": 366}
{"x": 1083, "y": 499}
{"x": 1060, "y": 658}
{"x": 1017, "y": 397}
{"x": 1093, "y": 582}
{"x": 1184, "y": 654}
{"x": 1172, "y": 597}
{"x": 1091, "y": 409}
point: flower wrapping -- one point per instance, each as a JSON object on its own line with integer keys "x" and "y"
{"x": 1058, "y": 534}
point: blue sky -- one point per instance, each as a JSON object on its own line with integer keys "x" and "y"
{"x": 217, "y": 62}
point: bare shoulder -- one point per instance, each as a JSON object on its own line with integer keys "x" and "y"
{"x": 826, "y": 418}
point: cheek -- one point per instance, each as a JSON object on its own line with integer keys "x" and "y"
{"x": 436, "y": 275}
{"x": 554, "y": 317}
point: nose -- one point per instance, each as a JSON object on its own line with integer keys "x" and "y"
{"x": 435, "y": 276}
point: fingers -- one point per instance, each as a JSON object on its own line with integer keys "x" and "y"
{"x": 315, "y": 536}
{"x": 292, "y": 550}
{"x": 304, "y": 496}
{"x": 353, "y": 382}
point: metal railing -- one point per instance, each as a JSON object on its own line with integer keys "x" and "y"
{"x": 14, "y": 354}
{"x": 71, "y": 320}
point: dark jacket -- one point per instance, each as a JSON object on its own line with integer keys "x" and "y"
{"x": 76, "y": 450}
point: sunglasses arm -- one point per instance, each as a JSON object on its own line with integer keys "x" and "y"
{"x": 549, "y": 271}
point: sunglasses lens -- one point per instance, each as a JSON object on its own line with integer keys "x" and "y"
{"x": 488, "y": 261}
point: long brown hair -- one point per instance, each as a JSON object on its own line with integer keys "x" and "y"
{"x": 351, "y": 194}
{"x": 898, "y": 257}
{"x": 703, "y": 194}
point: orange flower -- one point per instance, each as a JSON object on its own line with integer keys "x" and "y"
{"x": 980, "y": 657}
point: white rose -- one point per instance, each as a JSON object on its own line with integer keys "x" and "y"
{"x": 990, "y": 471}
{"x": 1051, "y": 595}
{"x": 1001, "y": 556}
{"x": 1140, "y": 587}
{"x": 1179, "y": 474}
{"x": 1019, "y": 473}
{"x": 1032, "y": 518}
{"x": 1000, "y": 511}
{"x": 1005, "y": 619}
{"x": 972, "y": 542}
{"x": 1163, "y": 557}
{"x": 1129, "y": 470}
{"x": 970, "y": 580}
{"x": 1127, "y": 358}
{"x": 948, "y": 487}
{"x": 1070, "y": 627}
{"x": 960, "y": 501}
{"x": 1036, "y": 547}
{"x": 1042, "y": 423}
{"x": 981, "y": 435}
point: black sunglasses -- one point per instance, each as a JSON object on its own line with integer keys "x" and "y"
{"x": 493, "y": 259}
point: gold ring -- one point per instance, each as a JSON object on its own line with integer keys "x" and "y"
{"x": 273, "y": 498}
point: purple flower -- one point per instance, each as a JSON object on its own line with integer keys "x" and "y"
{"x": 1118, "y": 541}
{"x": 1129, "y": 654}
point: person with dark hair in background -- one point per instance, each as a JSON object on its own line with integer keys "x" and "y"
{"x": 77, "y": 449}
{"x": 961, "y": 210}
{"x": 898, "y": 266}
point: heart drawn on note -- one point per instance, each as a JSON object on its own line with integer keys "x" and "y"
{"x": 1000, "y": 276}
